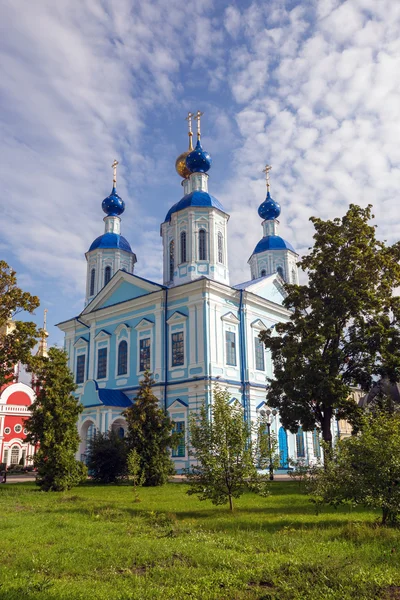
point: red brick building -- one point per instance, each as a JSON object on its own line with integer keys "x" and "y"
{"x": 15, "y": 402}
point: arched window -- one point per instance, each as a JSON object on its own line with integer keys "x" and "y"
{"x": 220, "y": 247}
{"x": 263, "y": 273}
{"x": 293, "y": 275}
{"x": 301, "y": 451}
{"x": 107, "y": 275}
{"x": 92, "y": 280}
{"x": 202, "y": 245}
{"x": 283, "y": 449}
{"x": 14, "y": 455}
{"x": 280, "y": 272}
{"x": 121, "y": 432}
{"x": 123, "y": 358}
{"x": 171, "y": 260}
{"x": 183, "y": 247}
{"x": 316, "y": 444}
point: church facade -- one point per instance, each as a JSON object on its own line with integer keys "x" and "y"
{"x": 195, "y": 330}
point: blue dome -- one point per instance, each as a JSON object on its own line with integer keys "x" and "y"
{"x": 272, "y": 242}
{"x": 111, "y": 240}
{"x": 269, "y": 209}
{"x": 196, "y": 198}
{"x": 198, "y": 161}
{"x": 113, "y": 205}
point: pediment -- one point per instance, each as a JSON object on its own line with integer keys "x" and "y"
{"x": 144, "y": 324}
{"x": 81, "y": 342}
{"x": 230, "y": 318}
{"x": 270, "y": 288}
{"x": 102, "y": 335}
{"x": 178, "y": 403}
{"x": 260, "y": 325}
{"x": 121, "y": 288}
{"x": 177, "y": 317}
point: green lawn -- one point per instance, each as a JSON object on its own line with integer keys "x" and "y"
{"x": 94, "y": 542}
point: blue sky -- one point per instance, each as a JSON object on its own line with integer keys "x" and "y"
{"x": 312, "y": 88}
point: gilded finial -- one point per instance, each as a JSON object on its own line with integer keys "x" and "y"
{"x": 190, "y": 132}
{"x": 42, "y": 350}
{"x": 266, "y": 171}
{"x": 197, "y": 118}
{"x": 114, "y": 167}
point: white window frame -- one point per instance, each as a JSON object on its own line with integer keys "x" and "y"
{"x": 122, "y": 332}
{"x": 102, "y": 340}
{"x": 256, "y": 327}
{"x": 231, "y": 325}
{"x": 81, "y": 348}
{"x": 145, "y": 329}
{"x": 179, "y": 321}
{"x": 18, "y": 428}
{"x": 177, "y": 408}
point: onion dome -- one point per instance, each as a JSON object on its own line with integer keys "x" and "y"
{"x": 113, "y": 205}
{"x": 111, "y": 240}
{"x": 195, "y": 198}
{"x": 198, "y": 161}
{"x": 180, "y": 165}
{"x": 272, "y": 242}
{"x": 269, "y": 209}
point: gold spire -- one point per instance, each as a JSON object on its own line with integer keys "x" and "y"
{"x": 266, "y": 171}
{"x": 114, "y": 167}
{"x": 190, "y": 132}
{"x": 42, "y": 350}
{"x": 180, "y": 163}
{"x": 197, "y": 118}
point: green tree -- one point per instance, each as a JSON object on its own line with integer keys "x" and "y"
{"x": 365, "y": 469}
{"x": 107, "y": 457}
{"x": 343, "y": 328}
{"x": 150, "y": 433}
{"x": 135, "y": 473}
{"x": 52, "y": 424}
{"x": 17, "y": 338}
{"x": 225, "y": 453}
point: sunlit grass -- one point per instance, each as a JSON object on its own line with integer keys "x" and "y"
{"x": 96, "y": 542}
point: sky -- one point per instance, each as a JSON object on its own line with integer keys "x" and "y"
{"x": 310, "y": 87}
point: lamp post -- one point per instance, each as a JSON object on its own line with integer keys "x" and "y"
{"x": 268, "y": 413}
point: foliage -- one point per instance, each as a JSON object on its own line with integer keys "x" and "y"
{"x": 150, "y": 433}
{"x": 16, "y": 346}
{"x": 107, "y": 457}
{"x": 365, "y": 469}
{"x": 343, "y": 329}
{"x": 52, "y": 424}
{"x": 225, "y": 454}
{"x": 135, "y": 473}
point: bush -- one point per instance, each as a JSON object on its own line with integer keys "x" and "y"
{"x": 107, "y": 457}
{"x": 365, "y": 469}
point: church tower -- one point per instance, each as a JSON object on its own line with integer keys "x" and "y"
{"x": 273, "y": 254}
{"x": 194, "y": 232}
{"x": 109, "y": 252}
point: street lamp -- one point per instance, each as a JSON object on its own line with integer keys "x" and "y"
{"x": 267, "y": 414}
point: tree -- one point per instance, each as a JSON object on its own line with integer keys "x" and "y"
{"x": 17, "y": 338}
{"x": 365, "y": 469}
{"x": 150, "y": 433}
{"x": 343, "y": 328}
{"x": 225, "y": 453}
{"x": 135, "y": 473}
{"x": 52, "y": 424}
{"x": 107, "y": 457}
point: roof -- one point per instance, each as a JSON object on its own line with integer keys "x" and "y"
{"x": 196, "y": 198}
{"x": 272, "y": 242}
{"x": 111, "y": 240}
{"x": 246, "y": 284}
{"x": 113, "y": 398}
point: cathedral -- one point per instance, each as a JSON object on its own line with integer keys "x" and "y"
{"x": 193, "y": 331}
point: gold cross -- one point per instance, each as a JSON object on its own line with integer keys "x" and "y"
{"x": 189, "y": 120}
{"x": 266, "y": 171}
{"x": 197, "y": 118}
{"x": 114, "y": 167}
{"x": 45, "y": 319}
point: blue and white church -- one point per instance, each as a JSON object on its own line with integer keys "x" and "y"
{"x": 193, "y": 331}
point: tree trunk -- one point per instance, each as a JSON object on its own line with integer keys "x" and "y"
{"x": 327, "y": 434}
{"x": 230, "y": 502}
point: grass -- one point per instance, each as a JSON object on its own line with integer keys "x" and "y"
{"x": 94, "y": 542}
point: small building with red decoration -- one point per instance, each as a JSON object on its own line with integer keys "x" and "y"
{"x": 15, "y": 403}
